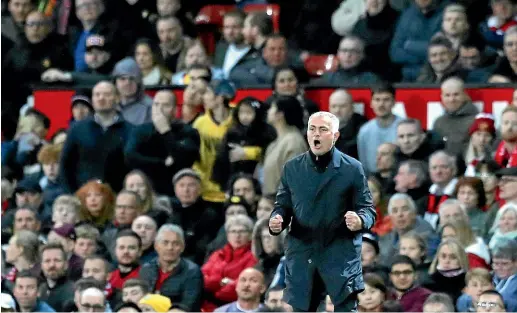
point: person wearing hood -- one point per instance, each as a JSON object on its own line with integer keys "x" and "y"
{"x": 352, "y": 65}
{"x": 134, "y": 104}
{"x": 460, "y": 112}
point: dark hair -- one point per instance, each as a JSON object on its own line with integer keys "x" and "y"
{"x": 494, "y": 293}
{"x": 474, "y": 183}
{"x": 264, "y": 23}
{"x": 197, "y": 66}
{"x": 57, "y": 133}
{"x": 129, "y": 233}
{"x": 39, "y": 115}
{"x": 53, "y": 246}
{"x": 382, "y": 88}
{"x": 292, "y": 110}
{"x": 280, "y": 69}
{"x": 137, "y": 282}
{"x": 474, "y": 41}
{"x": 129, "y": 305}
{"x": 392, "y": 306}
{"x": 138, "y": 199}
{"x": 375, "y": 281}
{"x": 260, "y": 112}
{"x": 249, "y": 177}
{"x": 440, "y": 41}
{"x": 98, "y": 257}
{"x": 442, "y": 298}
{"x": 26, "y": 274}
{"x": 155, "y": 50}
{"x": 235, "y": 13}
{"x": 274, "y": 288}
{"x": 88, "y": 282}
{"x": 403, "y": 259}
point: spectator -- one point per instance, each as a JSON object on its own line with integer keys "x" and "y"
{"x": 26, "y": 294}
{"x": 341, "y": 105}
{"x": 404, "y": 218}
{"x": 81, "y": 106}
{"x": 412, "y": 179}
{"x": 504, "y": 262}
{"x": 172, "y": 275}
{"x": 381, "y": 129}
{"x": 385, "y": 164}
{"x": 22, "y": 253}
{"x": 415, "y": 27}
{"x": 164, "y": 146}
{"x": 196, "y": 217}
{"x": 177, "y": 8}
{"x": 29, "y": 195}
{"x": 13, "y": 24}
{"x": 370, "y": 256}
{"x": 195, "y": 56}
{"x": 154, "y": 303}
{"x": 505, "y": 225}
{"x": 470, "y": 192}
{"x": 92, "y": 299}
{"x": 352, "y": 65}
{"x": 172, "y": 42}
{"x": 482, "y": 133}
{"x": 450, "y": 211}
{"x": 502, "y": 19}
{"x": 66, "y": 237}
{"x": 192, "y": 106}
{"x": 406, "y": 289}
{"x": 127, "y": 307}
{"x": 477, "y": 251}
{"x": 250, "y": 287}
{"x": 491, "y": 301}
{"x": 507, "y": 192}
{"x": 442, "y": 170}
{"x": 383, "y": 223}
{"x": 97, "y": 268}
{"x": 286, "y": 116}
{"x": 146, "y": 226}
{"x": 506, "y": 152}
{"x": 415, "y": 246}
{"x": 138, "y": 182}
{"x": 267, "y": 249}
{"x": 79, "y": 287}
{"x": 232, "y": 50}
{"x": 48, "y": 157}
{"x": 99, "y": 59}
{"x": 413, "y": 143}
{"x": 376, "y": 28}
{"x": 224, "y": 266}
{"x": 274, "y": 300}
{"x": 506, "y": 67}
{"x": 25, "y": 219}
{"x": 257, "y": 27}
{"x": 57, "y": 289}
{"x": 149, "y": 59}
{"x": 438, "y": 302}
{"x": 441, "y": 62}
{"x": 134, "y": 290}
{"x": 65, "y": 210}
{"x": 40, "y": 50}
{"x": 265, "y": 206}
{"x": 106, "y": 131}
{"x": 97, "y": 204}
{"x": 246, "y": 186}
{"x": 212, "y": 128}
{"x": 374, "y": 294}
{"x": 86, "y": 241}
{"x": 455, "y": 25}
{"x": 477, "y": 280}
{"x": 473, "y": 56}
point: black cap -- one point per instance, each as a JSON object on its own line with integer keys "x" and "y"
{"x": 30, "y": 185}
{"x": 372, "y": 239}
{"x": 509, "y": 171}
{"x": 96, "y": 41}
{"x": 82, "y": 96}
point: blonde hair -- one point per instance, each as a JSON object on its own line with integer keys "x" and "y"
{"x": 71, "y": 201}
{"x": 457, "y": 249}
{"x": 464, "y": 233}
{"x": 478, "y": 273}
{"x": 28, "y": 124}
{"x": 88, "y": 232}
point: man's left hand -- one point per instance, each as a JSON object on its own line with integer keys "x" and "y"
{"x": 353, "y": 221}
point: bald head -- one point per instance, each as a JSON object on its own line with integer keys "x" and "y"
{"x": 453, "y": 94}
{"x": 250, "y": 284}
{"x": 453, "y": 82}
{"x": 104, "y": 97}
{"x": 92, "y": 298}
{"x": 165, "y": 102}
{"x": 341, "y": 105}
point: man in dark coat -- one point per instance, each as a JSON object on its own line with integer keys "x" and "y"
{"x": 163, "y": 147}
{"x": 327, "y": 217}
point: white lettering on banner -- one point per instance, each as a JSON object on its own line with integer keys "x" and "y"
{"x": 399, "y": 109}
{"x": 359, "y": 108}
{"x": 497, "y": 110}
{"x": 435, "y": 110}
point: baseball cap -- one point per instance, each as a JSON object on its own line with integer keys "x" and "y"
{"x": 27, "y": 184}
{"x": 225, "y": 88}
{"x": 185, "y": 172}
{"x": 96, "y": 41}
{"x": 372, "y": 239}
{"x": 7, "y": 301}
{"x": 66, "y": 231}
{"x": 82, "y": 96}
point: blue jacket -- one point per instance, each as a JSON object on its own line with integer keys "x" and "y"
{"x": 279, "y": 278}
{"x": 318, "y": 239}
{"x": 412, "y": 35}
{"x": 42, "y": 306}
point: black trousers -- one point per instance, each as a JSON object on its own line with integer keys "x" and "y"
{"x": 318, "y": 294}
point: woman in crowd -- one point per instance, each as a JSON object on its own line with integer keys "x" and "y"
{"x": 505, "y": 225}
{"x": 449, "y": 268}
{"x": 97, "y": 204}
{"x": 286, "y": 116}
{"x": 476, "y": 249}
{"x": 383, "y": 223}
{"x": 482, "y": 134}
{"x": 471, "y": 193}
{"x": 224, "y": 266}
{"x": 267, "y": 249}
{"x": 149, "y": 59}
{"x": 415, "y": 246}
{"x": 374, "y": 294}
{"x": 137, "y": 181}
{"x": 196, "y": 54}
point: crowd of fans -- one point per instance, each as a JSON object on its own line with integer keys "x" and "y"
{"x": 145, "y": 205}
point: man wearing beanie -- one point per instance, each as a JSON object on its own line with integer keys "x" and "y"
{"x": 135, "y": 105}
{"x": 212, "y": 128}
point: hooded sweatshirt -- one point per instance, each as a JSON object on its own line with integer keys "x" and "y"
{"x": 137, "y": 110}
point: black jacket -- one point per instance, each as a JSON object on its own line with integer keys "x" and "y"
{"x": 347, "y": 141}
{"x": 314, "y": 203}
{"x": 147, "y": 150}
{"x": 92, "y": 153}
{"x": 184, "y": 286}
{"x": 200, "y": 222}
{"x": 61, "y": 293}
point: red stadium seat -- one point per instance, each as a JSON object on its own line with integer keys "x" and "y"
{"x": 213, "y": 14}
{"x": 272, "y": 10}
{"x": 318, "y": 64}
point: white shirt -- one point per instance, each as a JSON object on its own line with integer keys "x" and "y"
{"x": 232, "y": 57}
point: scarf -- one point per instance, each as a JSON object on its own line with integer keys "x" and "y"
{"x": 434, "y": 202}
{"x": 505, "y": 158}
{"x": 450, "y": 273}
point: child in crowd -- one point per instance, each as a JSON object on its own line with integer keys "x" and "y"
{"x": 86, "y": 241}
{"x": 477, "y": 281}
{"x": 65, "y": 210}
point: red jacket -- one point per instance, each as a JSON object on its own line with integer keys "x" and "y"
{"x": 229, "y": 263}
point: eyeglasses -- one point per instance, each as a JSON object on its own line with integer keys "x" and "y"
{"x": 400, "y": 273}
{"x": 489, "y": 305}
{"x": 93, "y": 307}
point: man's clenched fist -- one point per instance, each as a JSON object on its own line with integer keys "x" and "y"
{"x": 275, "y": 223}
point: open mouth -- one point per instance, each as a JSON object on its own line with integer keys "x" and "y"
{"x": 317, "y": 143}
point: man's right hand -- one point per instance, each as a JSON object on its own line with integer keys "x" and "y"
{"x": 53, "y": 75}
{"x": 275, "y": 223}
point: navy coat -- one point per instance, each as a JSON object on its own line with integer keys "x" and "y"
{"x": 318, "y": 239}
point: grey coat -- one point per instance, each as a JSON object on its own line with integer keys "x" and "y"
{"x": 318, "y": 239}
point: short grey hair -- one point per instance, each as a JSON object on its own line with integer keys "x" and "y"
{"x": 334, "y": 121}
{"x": 29, "y": 241}
{"x": 170, "y": 228}
{"x": 401, "y": 196}
{"x": 450, "y": 202}
{"x": 95, "y": 292}
{"x": 239, "y": 220}
{"x": 419, "y": 168}
{"x": 505, "y": 249}
{"x": 510, "y": 206}
{"x": 449, "y": 159}
{"x": 442, "y": 298}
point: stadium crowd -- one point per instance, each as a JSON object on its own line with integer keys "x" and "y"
{"x": 159, "y": 204}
